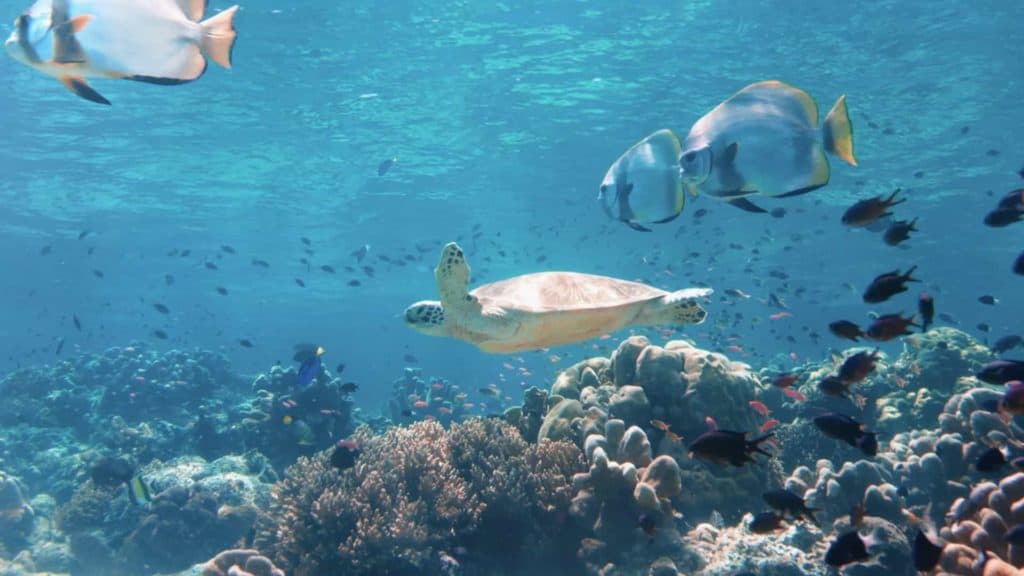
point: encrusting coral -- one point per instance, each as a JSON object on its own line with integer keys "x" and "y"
{"x": 240, "y": 562}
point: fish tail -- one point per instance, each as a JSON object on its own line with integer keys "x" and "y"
{"x": 838, "y": 132}
{"x": 892, "y": 201}
{"x": 809, "y": 514}
{"x": 755, "y": 443}
{"x": 219, "y": 36}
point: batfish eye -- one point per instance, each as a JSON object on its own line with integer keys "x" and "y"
{"x": 689, "y": 157}
{"x": 604, "y": 188}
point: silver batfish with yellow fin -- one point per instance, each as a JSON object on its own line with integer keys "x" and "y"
{"x": 644, "y": 186}
{"x": 765, "y": 140}
{"x": 156, "y": 41}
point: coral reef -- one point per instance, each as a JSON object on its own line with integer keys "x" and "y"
{"x": 625, "y": 495}
{"x": 240, "y": 562}
{"x": 17, "y": 518}
{"x": 414, "y": 399}
{"x": 133, "y": 401}
{"x": 980, "y": 522}
{"x": 419, "y": 493}
{"x": 284, "y": 421}
{"x": 590, "y": 477}
{"x": 198, "y": 508}
{"x": 679, "y": 385}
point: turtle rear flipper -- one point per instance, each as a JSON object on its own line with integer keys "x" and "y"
{"x": 679, "y": 307}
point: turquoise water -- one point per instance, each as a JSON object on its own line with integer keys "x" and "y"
{"x": 503, "y": 117}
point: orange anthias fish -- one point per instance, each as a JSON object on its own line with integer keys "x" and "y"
{"x": 156, "y": 41}
{"x": 759, "y": 407}
{"x": 794, "y": 394}
{"x": 664, "y": 427}
{"x": 769, "y": 425}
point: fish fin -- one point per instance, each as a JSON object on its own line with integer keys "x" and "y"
{"x": 637, "y": 227}
{"x": 838, "y": 132}
{"x": 728, "y": 175}
{"x": 81, "y": 88}
{"x": 670, "y": 218}
{"x": 66, "y": 48}
{"x": 219, "y": 36}
{"x": 194, "y": 9}
{"x": 78, "y": 23}
{"x": 729, "y": 156}
{"x": 746, "y": 205}
{"x": 800, "y": 191}
{"x": 680, "y": 200}
{"x": 161, "y": 81}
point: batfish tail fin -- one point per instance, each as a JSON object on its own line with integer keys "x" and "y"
{"x": 838, "y": 132}
{"x": 219, "y": 36}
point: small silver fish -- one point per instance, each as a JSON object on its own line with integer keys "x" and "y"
{"x": 156, "y": 41}
{"x": 765, "y": 140}
{"x": 644, "y": 186}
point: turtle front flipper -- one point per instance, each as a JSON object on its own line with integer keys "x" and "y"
{"x": 679, "y": 307}
{"x": 452, "y": 276}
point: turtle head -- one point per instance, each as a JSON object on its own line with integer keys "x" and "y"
{"x": 426, "y": 316}
{"x": 695, "y": 165}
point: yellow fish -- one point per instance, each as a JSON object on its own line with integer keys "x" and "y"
{"x": 765, "y": 139}
{"x": 155, "y": 41}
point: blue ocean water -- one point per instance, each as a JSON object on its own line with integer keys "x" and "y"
{"x": 503, "y": 118}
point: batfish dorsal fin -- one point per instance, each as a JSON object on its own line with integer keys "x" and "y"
{"x": 81, "y": 88}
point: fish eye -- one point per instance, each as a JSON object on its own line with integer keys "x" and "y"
{"x": 689, "y": 156}
{"x": 604, "y": 188}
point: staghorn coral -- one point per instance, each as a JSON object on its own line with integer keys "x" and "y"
{"x": 416, "y": 493}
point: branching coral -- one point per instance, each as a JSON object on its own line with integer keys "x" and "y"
{"x": 415, "y": 494}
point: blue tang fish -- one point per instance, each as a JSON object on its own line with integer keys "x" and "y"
{"x": 155, "y": 41}
{"x": 309, "y": 358}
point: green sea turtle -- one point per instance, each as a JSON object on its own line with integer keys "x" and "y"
{"x": 535, "y": 311}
